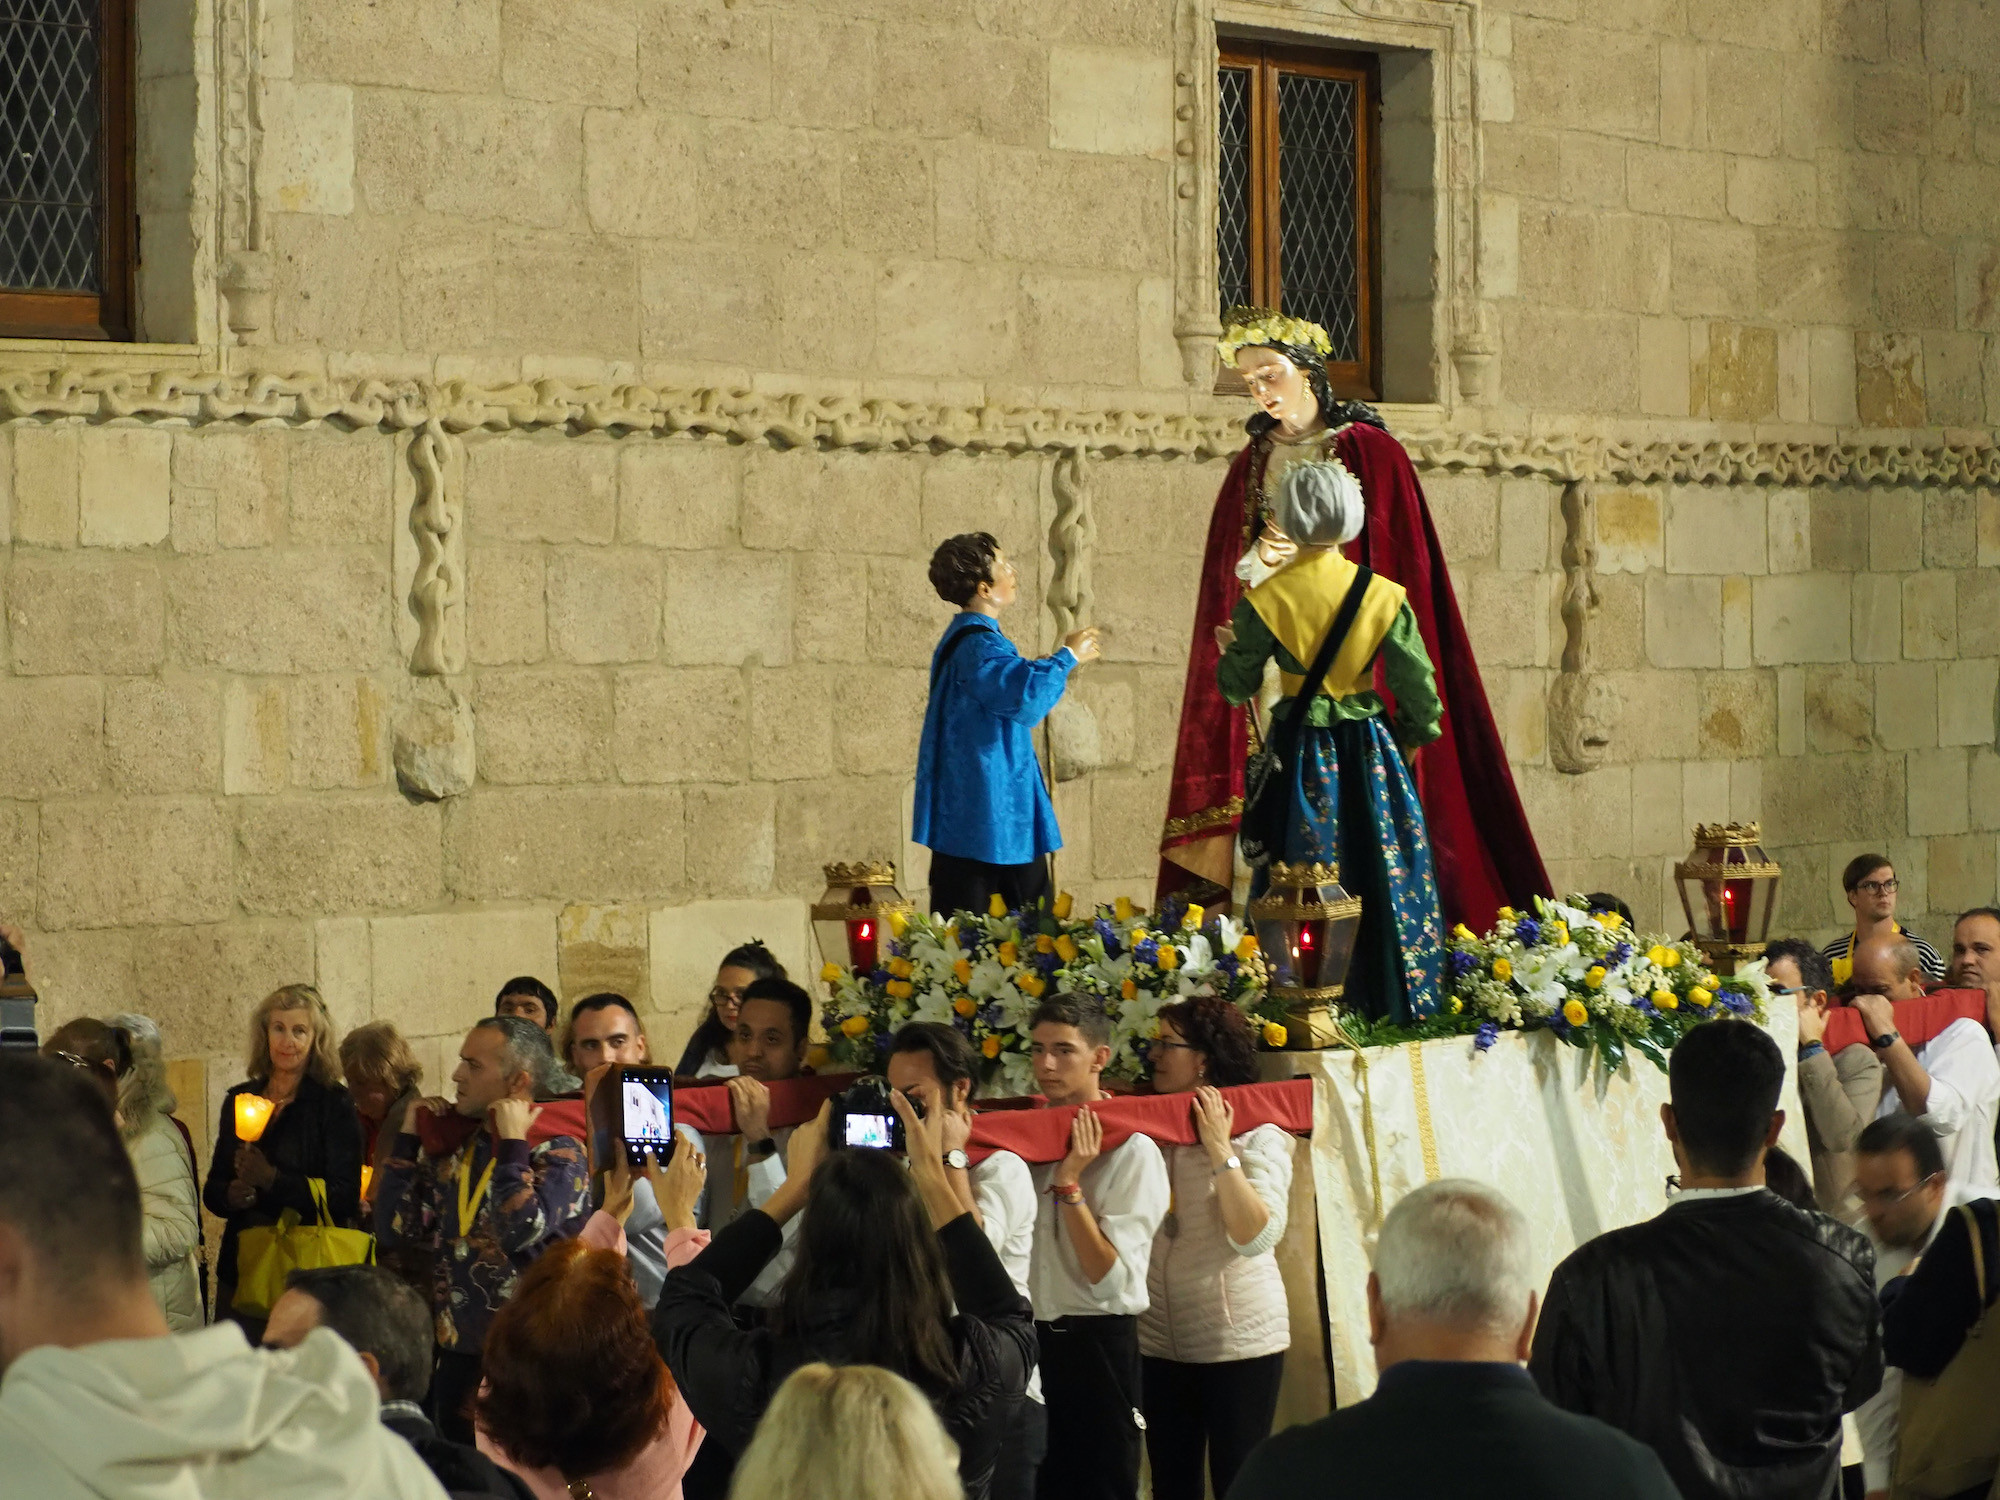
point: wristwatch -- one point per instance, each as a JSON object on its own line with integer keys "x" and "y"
{"x": 1885, "y": 1041}
{"x": 763, "y": 1149}
{"x": 1230, "y": 1165}
{"x": 957, "y": 1160}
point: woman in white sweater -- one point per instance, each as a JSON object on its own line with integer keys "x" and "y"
{"x": 164, "y": 1162}
{"x": 1214, "y": 1336}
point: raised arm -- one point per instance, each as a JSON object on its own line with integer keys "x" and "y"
{"x": 1011, "y": 686}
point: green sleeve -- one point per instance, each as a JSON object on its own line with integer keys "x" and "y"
{"x": 1241, "y": 671}
{"x": 1406, "y": 667}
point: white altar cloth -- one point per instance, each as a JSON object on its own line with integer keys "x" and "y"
{"x": 1577, "y": 1152}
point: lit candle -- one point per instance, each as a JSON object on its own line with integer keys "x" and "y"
{"x": 253, "y": 1113}
{"x": 367, "y": 1178}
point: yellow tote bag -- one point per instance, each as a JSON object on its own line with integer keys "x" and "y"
{"x": 268, "y": 1254}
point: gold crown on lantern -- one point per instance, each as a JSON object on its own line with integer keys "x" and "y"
{"x": 862, "y": 872}
{"x": 1250, "y": 327}
{"x": 1727, "y": 835}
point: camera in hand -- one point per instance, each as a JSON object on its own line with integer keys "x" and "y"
{"x": 634, "y": 1106}
{"x": 864, "y": 1116}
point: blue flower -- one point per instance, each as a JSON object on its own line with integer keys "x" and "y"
{"x": 1644, "y": 1006}
{"x": 1462, "y": 963}
{"x": 1736, "y": 1001}
{"x": 1526, "y": 931}
{"x": 1486, "y": 1036}
{"x": 1147, "y": 951}
{"x": 991, "y": 1015}
{"x": 1228, "y": 965}
{"x": 882, "y": 1040}
{"x": 1620, "y": 954}
{"x": 1047, "y": 962}
{"x": 878, "y": 976}
{"x": 1112, "y": 947}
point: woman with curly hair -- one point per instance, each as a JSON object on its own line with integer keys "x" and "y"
{"x": 314, "y": 1133}
{"x": 1214, "y": 1336}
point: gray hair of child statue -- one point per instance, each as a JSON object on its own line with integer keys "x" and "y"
{"x": 1319, "y": 505}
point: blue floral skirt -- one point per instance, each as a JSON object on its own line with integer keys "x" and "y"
{"x": 1354, "y": 805}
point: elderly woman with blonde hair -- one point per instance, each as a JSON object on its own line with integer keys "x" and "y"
{"x": 853, "y": 1432}
{"x": 313, "y": 1134}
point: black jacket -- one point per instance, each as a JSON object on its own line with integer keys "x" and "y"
{"x": 1927, "y": 1314}
{"x": 1727, "y": 1334}
{"x": 465, "y": 1472}
{"x": 1437, "y": 1429}
{"x": 728, "y": 1375}
{"x": 317, "y": 1135}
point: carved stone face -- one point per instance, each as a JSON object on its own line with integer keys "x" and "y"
{"x": 1279, "y": 386}
{"x": 1583, "y": 715}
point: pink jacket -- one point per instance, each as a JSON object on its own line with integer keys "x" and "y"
{"x": 656, "y": 1473}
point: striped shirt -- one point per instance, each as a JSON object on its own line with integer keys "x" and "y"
{"x": 1931, "y": 959}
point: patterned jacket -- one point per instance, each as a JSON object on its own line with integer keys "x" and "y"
{"x": 535, "y": 1197}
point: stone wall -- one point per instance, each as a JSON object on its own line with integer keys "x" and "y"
{"x": 721, "y": 315}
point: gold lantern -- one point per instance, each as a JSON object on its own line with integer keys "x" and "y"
{"x": 1306, "y": 926}
{"x": 1729, "y": 891}
{"x": 851, "y": 919}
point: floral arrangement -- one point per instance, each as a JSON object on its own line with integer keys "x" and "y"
{"x": 985, "y": 974}
{"x": 1592, "y": 981}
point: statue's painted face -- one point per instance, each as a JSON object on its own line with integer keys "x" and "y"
{"x": 1279, "y": 386}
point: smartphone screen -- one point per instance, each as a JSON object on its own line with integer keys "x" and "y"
{"x": 876, "y": 1132}
{"x": 646, "y": 1110}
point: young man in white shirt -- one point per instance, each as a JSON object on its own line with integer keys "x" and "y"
{"x": 1094, "y": 1229}
{"x": 1951, "y": 1082}
{"x": 935, "y": 1067}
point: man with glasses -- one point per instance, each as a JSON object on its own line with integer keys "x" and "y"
{"x": 1900, "y": 1178}
{"x": 1840, "y": 1093}
{"x": 1871, "y": 886}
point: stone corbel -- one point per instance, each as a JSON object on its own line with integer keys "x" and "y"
{"x": 1075, "y": 745}
{"x": 1583, "y": 707}
{"x": 434, "y": 751}
{"x": 1197, "y": 318}
{"x": 245, "y": 283}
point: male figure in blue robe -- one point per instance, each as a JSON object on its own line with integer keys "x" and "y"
{"x": 982, "y": 808}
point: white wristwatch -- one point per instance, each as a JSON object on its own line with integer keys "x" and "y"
{"x": 1228, "y": 1166}
{"x": 957, "y": 1160}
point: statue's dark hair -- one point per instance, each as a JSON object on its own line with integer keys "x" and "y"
{"x": 1336, "y": 412}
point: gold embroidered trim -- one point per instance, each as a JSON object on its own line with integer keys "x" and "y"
{"x": 1420, "y": 1090}
{"x": 1201, "y": 822}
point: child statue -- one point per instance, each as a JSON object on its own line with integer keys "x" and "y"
{"x": 982, "y": 808}
{"x": 1351, "y": 800}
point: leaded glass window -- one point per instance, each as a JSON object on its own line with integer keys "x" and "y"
{"x": 65, "y": 232}
{"x": 1295, "y": 194}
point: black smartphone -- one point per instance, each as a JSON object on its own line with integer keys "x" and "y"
{"x": 645, "y": 1111}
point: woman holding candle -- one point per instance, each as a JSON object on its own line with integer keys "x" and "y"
{"x": 267, "y": 1154}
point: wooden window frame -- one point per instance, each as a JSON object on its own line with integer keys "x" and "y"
{"x": 106, "y": 314}
{"x": 1264, "y": 61}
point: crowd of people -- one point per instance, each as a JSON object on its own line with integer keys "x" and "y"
{"x": 767, "y": 1312}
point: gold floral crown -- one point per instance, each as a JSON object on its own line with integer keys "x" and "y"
{"x": 1249, "y": 327}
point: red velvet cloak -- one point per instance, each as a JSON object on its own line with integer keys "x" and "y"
{"x": 1480, "y": 840}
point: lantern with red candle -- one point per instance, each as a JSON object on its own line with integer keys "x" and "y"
{"x": 1306, "y": 925}
{"x": 852, "y": 921}
{"x": 1729, "y": 893}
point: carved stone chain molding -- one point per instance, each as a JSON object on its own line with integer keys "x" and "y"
{"x": 1074, "y": 740}
{"x": 1583, "y": 709}
{"x": 434, "y": 747}
{"x": 195, "y": 397}
{"x": 244, "y": 273}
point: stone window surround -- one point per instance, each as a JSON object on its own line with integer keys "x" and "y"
{"x": 1439, "y": 41}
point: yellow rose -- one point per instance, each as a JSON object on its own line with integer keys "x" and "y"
{"x": 1135, "y": 937}
{"x": 1066, "y": 949}
{"x": 1170, "y": 957}
{"x": 1560, "y": 932}
{"x": 964, "y": 1006}
{"x": 996, "y": 905}
{"x": 1457, "y": 1005}
{"x": 1065, "y": 904}
{"x": 1122, "y": 908}
{"x": 1610, "y": 920}
{"x": 1670, "y": 959}
{"x": 1192, "y": 921}
{"x": 901, "y": 989}
{"x": 1129, "y": 990}
{"x": 1595, "y": 978}
{"x": 899, "y": 923}
{"x": 1666, "y": 1000}
{"x": 1576, "y": 1012}
{"x": 991, "y": 1046}
{"x": 1009, "y": 954}
{"x": 1246, "y": 946}
{"x": 1031, "y": 985}
{"x": 1502, "y": 970}
{"x": 830, "y": 973}
{"x": 1708, "y": 981}
{"x": 1044, "y": 943}
{"x": 1700, "y": 997}
{"x": 902, "y": 968}
{"x": 1462, "y": 933}
{"x": 963, "y": 970}
{"x": 1506, "y": 914}
{"x": 855, "y": 1026}
{"x": 1274, "y": 1034}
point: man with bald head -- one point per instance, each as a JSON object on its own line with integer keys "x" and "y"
{"x": 1951, "y": 1082}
